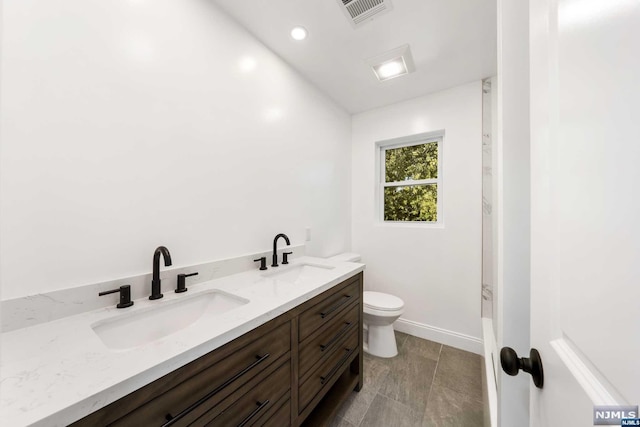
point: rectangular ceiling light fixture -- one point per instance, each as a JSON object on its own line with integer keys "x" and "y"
{"x": 394, "y": 63}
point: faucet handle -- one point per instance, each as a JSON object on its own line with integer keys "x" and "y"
{"x": 181, "y": 282}
{"x": 125, "y": 295}
{"x": 263, "y": 262}
{"x": 285, "y": 259}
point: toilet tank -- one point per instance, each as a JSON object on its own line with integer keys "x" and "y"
{"x": 346, "y": 257}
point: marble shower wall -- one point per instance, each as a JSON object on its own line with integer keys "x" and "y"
{"x": 488, "y": 300}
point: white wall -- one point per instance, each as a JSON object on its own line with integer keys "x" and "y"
{"x": 436, "y": 271}
{"x": 129, "y": 124}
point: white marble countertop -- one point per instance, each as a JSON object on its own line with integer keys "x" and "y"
{"x": 55, "y": 373}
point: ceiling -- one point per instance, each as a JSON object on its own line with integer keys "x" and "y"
{"x": 452, "y": 42}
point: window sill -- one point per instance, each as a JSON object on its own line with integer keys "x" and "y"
{"x": 410, "y": 224}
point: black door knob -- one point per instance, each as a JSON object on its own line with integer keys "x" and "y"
{"x": 511, "y": 364}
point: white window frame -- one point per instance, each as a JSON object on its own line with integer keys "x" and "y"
{"x": 406, "y": 141}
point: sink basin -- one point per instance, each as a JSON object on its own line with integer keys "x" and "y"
{"x": 299, "y": 273}
{"x": 152, "y": 323}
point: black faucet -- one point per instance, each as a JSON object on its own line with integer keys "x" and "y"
{"x": 155, "y": 282}
{"x": 182, "y": 278}
{"x": 275, "y": 248}
{"x": 125, "y": 296}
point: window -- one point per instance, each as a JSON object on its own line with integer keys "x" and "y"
{"x": 410, "y": 179}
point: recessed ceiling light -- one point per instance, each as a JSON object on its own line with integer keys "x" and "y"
{"x": 299, "y": 33}
{"x": 390, "y": 69}
{"x": 394, "y": 63}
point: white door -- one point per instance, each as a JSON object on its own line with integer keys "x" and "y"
{"x": 585, "y": 201}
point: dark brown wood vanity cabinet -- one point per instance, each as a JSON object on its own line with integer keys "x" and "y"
{"x": 294, "y": 370}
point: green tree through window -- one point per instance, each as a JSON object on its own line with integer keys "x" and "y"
{"x": 411, "y": 183}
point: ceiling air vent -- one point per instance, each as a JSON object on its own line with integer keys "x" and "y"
{"x": 359, "y": 12}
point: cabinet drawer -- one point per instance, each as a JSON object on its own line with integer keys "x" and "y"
{"x": 328, "y": 370}
{"x": 214, "y": 383}
{"x": 258, "y": 401}
{"x": 327, "y": 309}
{"x": 321, "y": 344}
{"x": 282, "y": 416}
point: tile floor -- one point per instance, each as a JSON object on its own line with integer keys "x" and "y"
{"x": 427, "y": 384}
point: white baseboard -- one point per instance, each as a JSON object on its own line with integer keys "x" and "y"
{"x": 442, "y": 336}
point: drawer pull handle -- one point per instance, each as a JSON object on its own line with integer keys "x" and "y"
{"x": 260, "y": 407}
{"x": 173, "y": 420}
{"x": 342, "y": 331}
{"x": 335, "y": 307}
{"x": 335, "y": 368}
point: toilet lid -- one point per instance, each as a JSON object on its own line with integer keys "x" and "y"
{"x": 380, "y": 301}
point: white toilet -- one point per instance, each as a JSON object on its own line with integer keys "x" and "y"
{"x": 380, "y": 311}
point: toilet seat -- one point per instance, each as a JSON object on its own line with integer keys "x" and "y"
{"x": 382, "y": 302}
